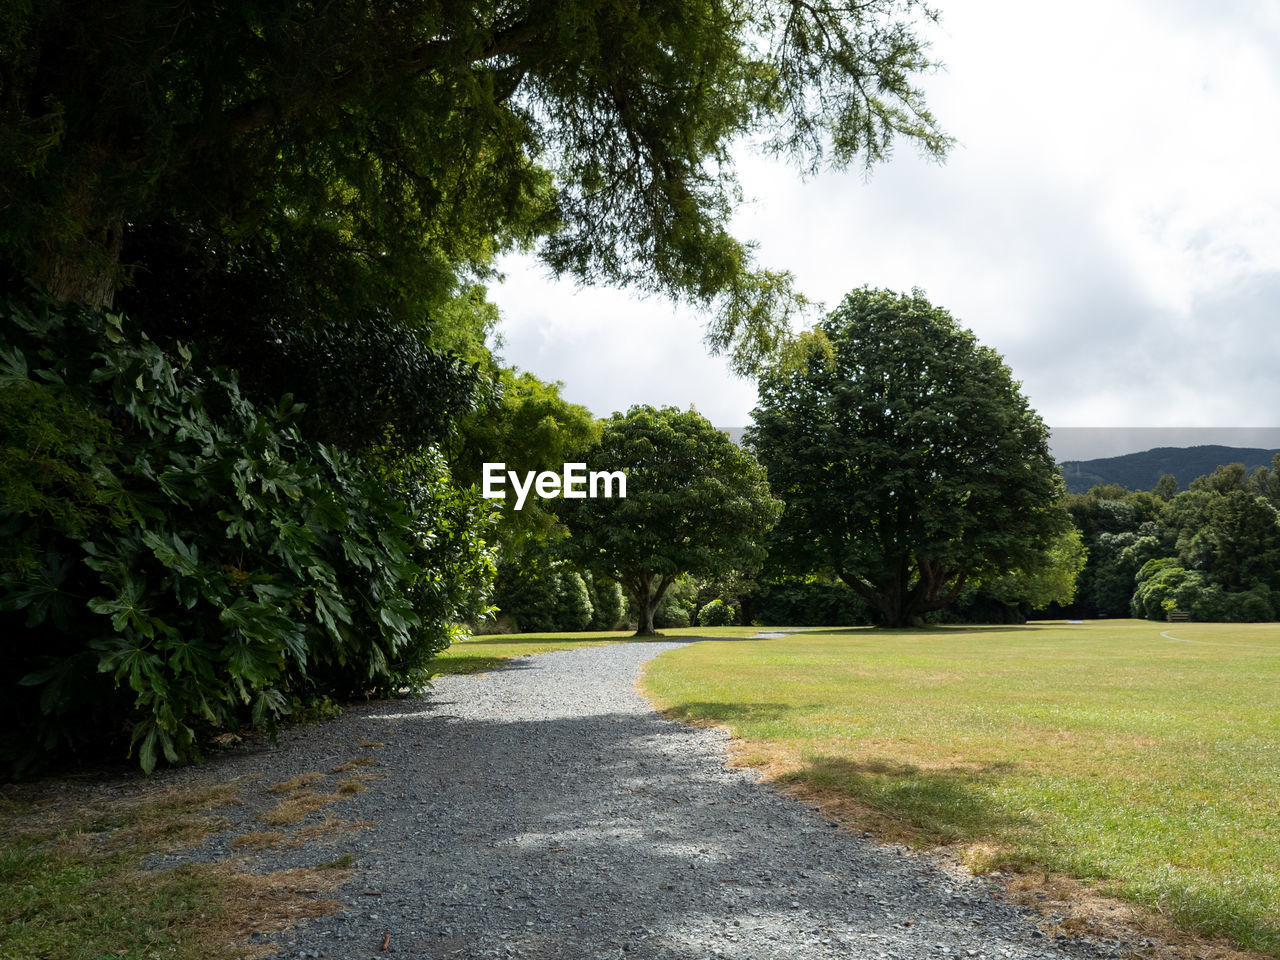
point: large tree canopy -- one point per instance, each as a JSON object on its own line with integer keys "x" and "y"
{"x": 403, "y": 144}
{"x": 908, "y": 459}
{"x": 696, "y": 504}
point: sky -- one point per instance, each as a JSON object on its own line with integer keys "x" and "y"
{"x": 1109, "y": 220}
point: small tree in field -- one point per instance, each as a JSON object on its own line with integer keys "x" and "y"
{"x": 696, "y": 504}
{"x": 907, "y": 457}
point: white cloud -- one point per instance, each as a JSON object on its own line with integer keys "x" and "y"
{"x": 1110, "y": 222}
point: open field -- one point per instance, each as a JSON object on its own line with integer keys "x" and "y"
{"x": 1108, "y": 751}
{"x": 486, "y": 651}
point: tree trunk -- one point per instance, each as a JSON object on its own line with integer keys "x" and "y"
{"x": 900, "y": 604}
{"x": 84, "y": 272}
{"x": 645, "y": 626}
{"x": 647, "y": 599}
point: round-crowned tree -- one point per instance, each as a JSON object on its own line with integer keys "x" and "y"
{"x": 907, "y": 457}
{"x": 696, "y": 503}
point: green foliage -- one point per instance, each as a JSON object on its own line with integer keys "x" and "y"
{"x": 48, "y": 463}
{"x": 398, "y": 147}
{"x": 1162, "y": 586}
{"x": 908, "y": 459}
{"x": 528, "y": 426}
{"x": 1212, "y": 603}
{"x": 1226, "y": 478}
{"x": 1223, "y": 533}
{"x": 543, "y": 594}
{"x": 1237, "y": 544}
{"x": 717, "y": 613}
{"x": 608, "y": 605}
{"x": 237, "y": 568}
{"x": 811, "y": 600}
{"x": 677, "y": 606}
{"x": 364, "y": 361}
{"x": 1050, "y": 578}
{"x": 696, "y": 504}
{"x": 1265, "y": 482}
{"x": 1116, "y": 559}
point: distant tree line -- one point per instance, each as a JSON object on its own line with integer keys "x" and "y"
{"x": 907, "y": 478}
{"x": 1212, "y": 551}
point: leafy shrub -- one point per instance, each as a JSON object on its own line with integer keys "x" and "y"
{"x": 212, "y": 567}
{"x": 808, "y": 601}
{"x": 543, "y": 594}
{"x": 676, "y": 607}
{"x": 608, "y": 605}
{"x": 1162, "y": 586}
{"x": 1211, "y": 603}
{"x": 717, "y": 613}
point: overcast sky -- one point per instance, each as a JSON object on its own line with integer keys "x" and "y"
{"x": 1109, "y": 221}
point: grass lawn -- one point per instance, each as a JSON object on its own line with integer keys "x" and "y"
{"x": 1105, "y": 751}
{"x": 486, "y": 651}
{"x": 76, "y": 882}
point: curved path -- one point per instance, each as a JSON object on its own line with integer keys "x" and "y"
{"x": 545, "y": 810}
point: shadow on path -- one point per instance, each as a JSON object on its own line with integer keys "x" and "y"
{"x": 548, "y": 812}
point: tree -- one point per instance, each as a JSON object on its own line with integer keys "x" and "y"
{"x": 696, "y": 504}
{"x": 1228, "y": 477}
{"x": 1050, "y": 579}
{"x": 908, "y": 459}
{"x": 409, "y": 142}
{"x": 1238, "y": 544}
{"x": 1265, "y": 481}
{"x": 1166, "y": 486}
{"x": 528, "y": 426}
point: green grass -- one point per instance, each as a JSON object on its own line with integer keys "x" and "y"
{"x": 1104, "y": 751}
{"x": 74, "y": 883}
{"x": 73, "y": 886}
{"x": 488, "y": 651}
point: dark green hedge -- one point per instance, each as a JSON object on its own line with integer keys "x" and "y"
{"x": 177, "y": 561}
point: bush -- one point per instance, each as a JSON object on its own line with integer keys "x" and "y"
{"x": 676, "y": 607}
{"x": 1165, "y": 586}
{"x": 717, "y": 613}
{"x": 804, "y": 601}
{"x": 608, "y": 605}
{"x": 209, "y": 566}
{"x": 1162, "y": 586}
{"x": 1211, "y": 603}
{"x": 542, "y": 595}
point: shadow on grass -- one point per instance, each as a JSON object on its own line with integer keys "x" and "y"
{"x": 704, "y": 713}
{"x": 477, "y": 664}
{"x": 937, "y": 805}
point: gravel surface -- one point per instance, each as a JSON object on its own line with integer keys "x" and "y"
{"x": 545, "y": 810}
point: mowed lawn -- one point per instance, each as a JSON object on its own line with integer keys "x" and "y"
{"x": 1106, "y": 751}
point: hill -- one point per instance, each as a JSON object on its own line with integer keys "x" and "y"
{"x": 1140, "y": 471}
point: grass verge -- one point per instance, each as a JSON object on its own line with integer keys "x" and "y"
{"x": 74, "y": 882}
{"x": 1142, "y": 759}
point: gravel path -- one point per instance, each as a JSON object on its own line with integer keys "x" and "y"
{"x": 545, "y": 810}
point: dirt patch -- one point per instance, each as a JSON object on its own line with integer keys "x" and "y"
{"x": 355, "y": 763}
{"x": 265, "y": 903}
